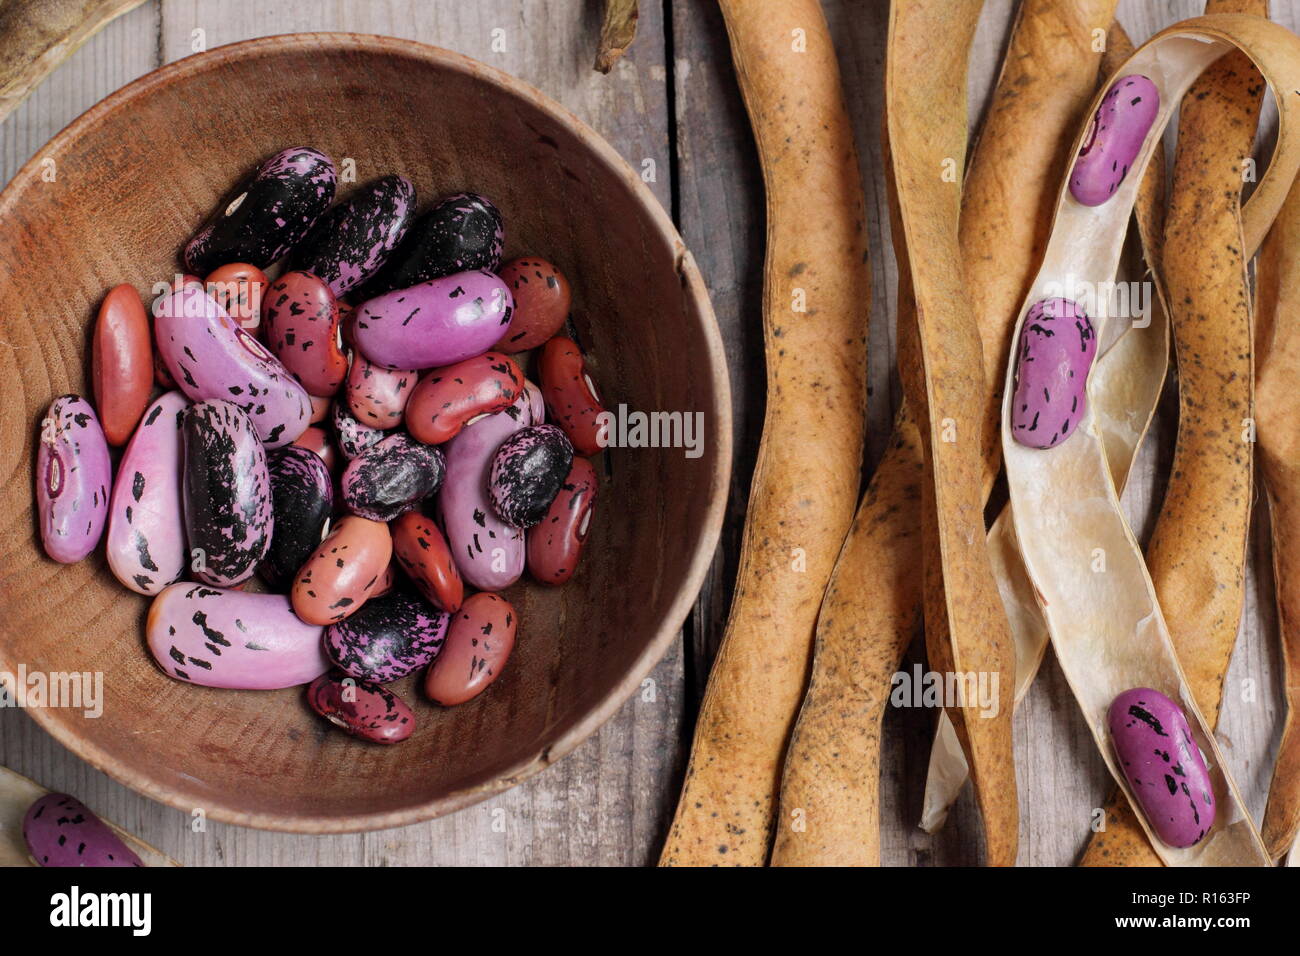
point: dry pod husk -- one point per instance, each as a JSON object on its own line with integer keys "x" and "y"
{"x": 1129, "y": 377}
{"x": 869, "y": 615}
{"x": 1106, "y": 623}
{"x": 966, "y": 629}
{"x": 1277, "y": 280}
{"x": 1197, "y": 553}
{"x": 800, "y": 505}
{"x": 831, "y": 780}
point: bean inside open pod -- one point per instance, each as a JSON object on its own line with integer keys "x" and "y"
{"x": 1081, "y": 557}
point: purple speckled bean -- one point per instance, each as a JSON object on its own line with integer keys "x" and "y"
{"x": 351, "y": 241}
{"x": 302, "y": 498}
{"x": 353, "y": 437}
{"x": 268, "y": 214}
{"x": 464, "y": 231}
{"x": 527, "y": 471}
{"x": 146, "y": 519}
{"x": 434, "y": 323}
{"x": 1057, "y": 346}
{"x": 1155, "y": 748}
{"x": 73, "y": 478}
{"x": 488, "y": 552}
{"x": 391, "y": 636}
{"x": 361, "y": 708}
{"x": 60, "y": 830}
{"x": 392, "y": 477}
{"x": 223, "y": 638}
{"x": 1114, "y": 139}
{"x": 210, "y": 356}
{"x": 226, "y": 493}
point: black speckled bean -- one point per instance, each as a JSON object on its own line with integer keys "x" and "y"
{"x": 268, "y": 214}
{"x": 227, "y": 495}
{"x": 461, "y": 232}
{"x": 390, "y": 637}
{"x": 302, "y": 497}
{"x": 527, "y": 472}
{"x": 351, "y": 241}
{"x": 392, "y": 477}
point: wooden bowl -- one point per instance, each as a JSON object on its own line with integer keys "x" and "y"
{"x": 131, "y": 180}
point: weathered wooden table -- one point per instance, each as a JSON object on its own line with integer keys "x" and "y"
{"x": 672, "y": 100}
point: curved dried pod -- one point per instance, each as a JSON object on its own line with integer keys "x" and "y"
{"x": 831, "y": 781}
{"x": 871, "y": 608}
{"x": 1277, "y": 280}
{"x": 1202, "y": 531}
{"x": 966, "y": 629}
{"x": 1129, "y": 376}
{"x": 816, "y": 364}
{"x": 1107, "y": 628}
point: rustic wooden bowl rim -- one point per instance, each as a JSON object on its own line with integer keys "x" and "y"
{"x": 694, "y": 291}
